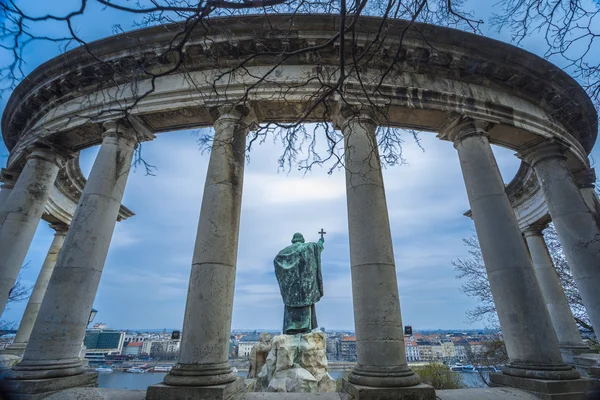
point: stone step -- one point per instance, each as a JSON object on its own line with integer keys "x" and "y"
{"x": 500, "y": 393}
{"x": 295, "y": 396}
{"x": 588, "y": 359}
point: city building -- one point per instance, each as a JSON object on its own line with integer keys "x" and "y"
{"x": 133, "y": 349}
{"x": 147, "y": 347}
{"x": 347, "y": 348}
{"x": 412, "y": 351}
{"x": 246, "y": 343}
{"x": 425, "y": 350}
{"x": 331, "y": 343}
{"x": 104, "y": 341}
{"x": 461, "y": 349}
{"x": 448, "y": 350}
{"x": 436, "y": 351}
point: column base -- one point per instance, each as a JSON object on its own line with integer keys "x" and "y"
{"x": 575, "y": 389}
{"x": 200, "y": 375}
{"x": 16, "y": 349}
{"x": 34, "y": 389}
{"x": 226, "y": 391}
{"x": 420, "y": 391}
{"x": 540, "y": 371}
{"x": 31, "y": 370}
{"x": 382, "y": 376}
{"x": 7, "y": 361}
{"x": 570, "y": 351}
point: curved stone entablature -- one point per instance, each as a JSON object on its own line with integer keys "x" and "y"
{"x": 66, "y": 193}
{"x": 441, "y": 70}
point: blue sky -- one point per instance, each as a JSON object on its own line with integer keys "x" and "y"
{"x": 144, "y": 284}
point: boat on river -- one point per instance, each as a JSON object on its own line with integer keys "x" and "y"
{"x": 469, "y": 368}
{"x": 163, "y": 368}
{"x": 103, "y": 369}
{"x": 136, "y": 370}
{"x": 458, "y": 367}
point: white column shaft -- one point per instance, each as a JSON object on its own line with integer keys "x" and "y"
{"x": 207, "y": 323}
{"x": 21, "y": 214}
{"x": 5, "y": 191}
{"x": 58, "y": 332}
{"x": 575, "y": 227}
{"x": 377, "y": 320}
{"x": 531, "y": 342}
{"x": 592, "y": 201}
{"x": 37, "y": 295}
{"x": 552, "y": 290}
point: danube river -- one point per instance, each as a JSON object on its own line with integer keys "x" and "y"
{"x": 125, "y": 380}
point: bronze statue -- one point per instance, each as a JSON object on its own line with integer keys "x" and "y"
{"x": 298, "y": 272}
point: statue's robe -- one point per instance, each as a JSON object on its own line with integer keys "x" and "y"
{"x": 298, "y": 271}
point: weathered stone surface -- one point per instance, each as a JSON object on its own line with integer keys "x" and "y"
{"x": 34, "y": 389}
{"x": 7, "y": 361}
{"x": 296, "y": 363}
{"x": 97, "y": 394}
{"x": 35, "y": 300}
{"x": 207, "y": 321}
{"x": 296, "y": 396}
{"x": 416, "y": 392}
{"x": 546, "y": 389}
{"x": 259, "y": 353}
{"x": 531, "y": 342}
{"x": 251, "y": 385}
{"x": 215, "y": 392}
{"x": 21, "y": 214}
{"x": 485, "y": 393}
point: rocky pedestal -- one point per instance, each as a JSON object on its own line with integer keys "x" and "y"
{"x": 296, "y": 363}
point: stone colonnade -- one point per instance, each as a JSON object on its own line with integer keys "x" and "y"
{"x": 569, "y": 339}
{"x": 203, "y": 370}
{"x": 37, "y": 295}
{"x": 531, "y": 343}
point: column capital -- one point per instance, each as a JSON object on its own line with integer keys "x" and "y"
{"x": 553, "y": 148}
{"x": 60, "y": 228}
{"x": 361, "y": 114}
{"x": 48, "y": 153}
{"x": 585, "y": 178}
{"x": 121, "y": 128}
{"x": 534, "y": 230}
{"x": 236, "y": 113}
{"x": 460, "y": 127}
{"x": 8, "y": 177}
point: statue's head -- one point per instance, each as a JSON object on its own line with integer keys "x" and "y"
{"x": 298, "y": 238}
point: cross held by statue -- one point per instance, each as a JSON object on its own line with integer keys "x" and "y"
{"x": 322, "y": 233}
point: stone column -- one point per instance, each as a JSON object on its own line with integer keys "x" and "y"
{"x": 569, "y": 339}
{"x": 22, "y": 212}
{"x": 203, "y": 360}
{"x": 55, "y": 342}
{"x": 573, "y": 220}
{"x": 8, "y": 179}
{"x": 585, "y": 181}
{"x": 531, "y": 342}
{"x": 35, "y": 301}
{"x": 381, "y": 357}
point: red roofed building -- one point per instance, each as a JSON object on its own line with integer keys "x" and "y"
{"x": 133, "y": 349}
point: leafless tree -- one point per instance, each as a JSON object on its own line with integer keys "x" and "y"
{"x": 18, "y": 293}
{"x": 571, "y": 29}
{"x": 476, "y": 284}
{"x": 21, "y": 27}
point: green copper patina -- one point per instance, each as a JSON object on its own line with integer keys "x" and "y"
{"x": 298, "y": 271}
